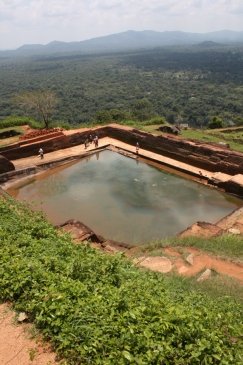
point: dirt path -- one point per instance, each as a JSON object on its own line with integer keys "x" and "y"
{"x": 16, "y": 345}
{"x": 191, "y": 262}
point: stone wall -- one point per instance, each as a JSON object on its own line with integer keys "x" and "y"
{"x": 32, "y": 149}
{"x": 54, "y": 144}
{"x": 198, "y": 154}
{"x": 40, "y": 138}
{"x": 5, "y": 165}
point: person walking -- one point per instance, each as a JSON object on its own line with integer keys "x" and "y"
{"x": 41, "y": 153}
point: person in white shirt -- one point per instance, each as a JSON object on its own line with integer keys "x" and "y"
{"x": 41, "y": 153}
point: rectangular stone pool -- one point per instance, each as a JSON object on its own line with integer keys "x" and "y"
{"x": 123, "y": 199}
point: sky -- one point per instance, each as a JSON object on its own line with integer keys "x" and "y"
{"x": 42, "y": 21}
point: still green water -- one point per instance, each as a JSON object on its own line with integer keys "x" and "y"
{"x": 124, "y": 199}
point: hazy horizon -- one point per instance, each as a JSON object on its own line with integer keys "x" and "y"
{"x": 99, "y": 36}
{"x": 42, "y": 21}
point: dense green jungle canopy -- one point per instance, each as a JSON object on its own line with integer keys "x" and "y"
{"x": 190, "y": 84}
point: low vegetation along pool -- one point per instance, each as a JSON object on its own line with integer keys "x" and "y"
{"x": 124, "y": 199}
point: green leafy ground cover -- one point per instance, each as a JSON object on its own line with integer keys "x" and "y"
{"x": 100, "y": 309}
{"x": 235, "y": 140}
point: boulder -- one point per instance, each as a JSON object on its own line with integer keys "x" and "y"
{"x": 169, "y": 129}
{"x": 190, "y": 259}
{"x": 234, "y": 231}
{"x": 205, "y": 275}
{"x": 5, "y": 165}
{"x": 22, "y": 317}
{"x": 80, "y": 232}
{"x": 156, "y": 263}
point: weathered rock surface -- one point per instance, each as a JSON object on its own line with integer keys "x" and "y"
{"x": 156, "y": 263}
{"x": 202, "y": 229}
{"x": 234, "y": 231}
{"x": 202, "y": 155}
{"x": 82, "y": 233}
{"x": 238, "y": 228}
{"x": 234, "y": 185}
{"x": 205, "y": 275}
{"x": 5, "y": 165}
{"x": 190, "y": 259}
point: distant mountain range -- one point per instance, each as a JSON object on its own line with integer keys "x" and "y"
{"x": 129, "y": 40}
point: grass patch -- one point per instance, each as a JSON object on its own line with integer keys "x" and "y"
{"x": 215, "y": 137}
{"x": 13, "y": 139}
{"x": 217, "y": 287}
{"x": 206, "y": 136}
{"x": 199, "y": 134}
{"x": 19, "y": 129}
{"x": 227, "y": 246}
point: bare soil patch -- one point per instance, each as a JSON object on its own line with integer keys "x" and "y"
{"x": 191, "y": 262}
{"x": 16, "y": 345}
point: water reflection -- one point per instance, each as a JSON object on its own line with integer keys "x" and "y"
{"x": 126, "y": 201}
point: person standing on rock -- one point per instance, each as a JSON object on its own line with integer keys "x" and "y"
{"x": 96, "y": 141}
{"x": 86, "y": 143}
{"x": 137, "y": 147}
{"x": 41, "y": 153}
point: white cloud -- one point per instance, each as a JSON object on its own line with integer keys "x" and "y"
{"x": 41, "y": 21}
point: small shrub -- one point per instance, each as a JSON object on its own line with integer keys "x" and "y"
{"x": 216, "y": 122}
{"x": 13, "y": 121}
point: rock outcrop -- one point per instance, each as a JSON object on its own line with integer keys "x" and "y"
{"x": 82, "y": 233}
{"x": 202, "y": 229}
{"x": 205, "y": 275}
{"x": 5, "y": 165}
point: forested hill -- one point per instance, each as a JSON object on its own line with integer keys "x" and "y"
{"x": 129, "y": 40}
{"x": 190, "y": 84}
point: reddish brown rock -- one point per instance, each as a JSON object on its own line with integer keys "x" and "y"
{"x": 202, "y": 155}
{"x": 80, "y": 232}
{"x": 234, "y": 185}
{"x": 202, "y": 229}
